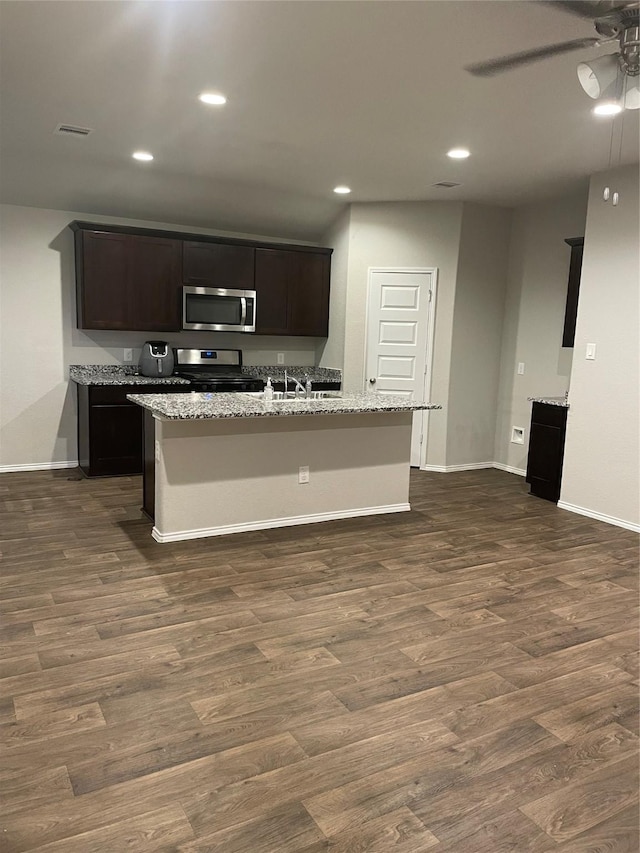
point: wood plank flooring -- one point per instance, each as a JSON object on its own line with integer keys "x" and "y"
{"x": 458, "y": 679}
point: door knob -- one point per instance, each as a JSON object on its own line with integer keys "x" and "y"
{"x": 372, "y": 381}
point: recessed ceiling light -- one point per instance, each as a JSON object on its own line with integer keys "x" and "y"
{"x": 607, "y": 108}
{"x": 342, "y": 190}
{"x": 142, "y": 155}
{"x": 458, "y": 153}
{"x": 213, "y": 98}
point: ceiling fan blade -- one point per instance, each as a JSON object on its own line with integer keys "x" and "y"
{"x": 590, "y": 9}
{"x": 514, "y": 60}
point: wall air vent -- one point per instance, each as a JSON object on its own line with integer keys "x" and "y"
{"x": 72, "y": 130}
{"x": 447, "y": 185}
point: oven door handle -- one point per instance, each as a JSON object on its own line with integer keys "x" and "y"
{"x": 243, "y": 317}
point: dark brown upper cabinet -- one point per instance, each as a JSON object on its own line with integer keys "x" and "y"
{"x": 292, "y": 292}
{"x": 131, "y": 278}
{"x": 573, "y": 290}
{"x": 218, "y": 265}
{"x": 127, "y": 282}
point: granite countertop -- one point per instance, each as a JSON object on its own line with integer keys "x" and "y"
{"x": 242, "y": 405}
{"x": 115, "y": 374}
{"x": 551, "y": 401}
{"x": 276, "y": 372}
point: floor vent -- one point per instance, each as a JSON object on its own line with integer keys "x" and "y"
{"x": 447, "y": 185}
{"x": 72, "y": 130}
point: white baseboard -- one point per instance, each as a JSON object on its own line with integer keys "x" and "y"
{"x": 39, "y": 466}
{"x": 510, "y": 469}
{"x": 600, "y": 516}
{"x": 448, "y": 469}
{"x": 269, "y": 523}
{"x": 474, "y": 466}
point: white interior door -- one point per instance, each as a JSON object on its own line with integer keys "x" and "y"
{"x": 399, "y": 321}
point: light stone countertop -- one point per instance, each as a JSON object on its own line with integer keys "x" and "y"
{"x": 276, "y": 372}
{"x": 117, "y": 374}
{"x": 198, "y": 406}
{"x": 562, "y": 402}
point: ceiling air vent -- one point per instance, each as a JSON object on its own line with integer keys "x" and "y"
{"x": 447, "y": 185}
{"x": 72, "y": 130}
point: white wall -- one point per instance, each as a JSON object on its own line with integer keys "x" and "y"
{"x": 221, "y": 476}
{"x": 330, "y": 353}
{"x": 601, "y": 473}
{"x": 39, "y": 338}
{"x": 407, "y": 234}
{"x": 534, "y": 316}
{"x": 477, "y": 334}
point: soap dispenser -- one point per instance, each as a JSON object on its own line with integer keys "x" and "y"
{"x": 268, "y": 391}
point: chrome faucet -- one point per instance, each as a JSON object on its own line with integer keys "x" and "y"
{"x": 298, "y": 391}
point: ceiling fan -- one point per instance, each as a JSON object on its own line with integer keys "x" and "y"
{"x": 606, "y": 76}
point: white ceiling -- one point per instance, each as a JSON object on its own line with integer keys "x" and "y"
{"x": 371, "y": 94}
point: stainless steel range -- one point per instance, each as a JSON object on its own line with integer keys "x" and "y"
{"x": 215, "y": 370}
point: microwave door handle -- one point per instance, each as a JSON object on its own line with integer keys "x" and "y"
{"x": 243, "y": 318}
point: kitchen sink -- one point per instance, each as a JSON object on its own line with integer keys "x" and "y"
{"x": 279, "y": 398}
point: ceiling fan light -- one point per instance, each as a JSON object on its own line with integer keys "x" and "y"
{"x": 607, "y": 108}
{"x": 599, "y": 74}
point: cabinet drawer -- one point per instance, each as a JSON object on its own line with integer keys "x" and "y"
{"x": 547, "y": 415}
{"x": 112, "y": 395}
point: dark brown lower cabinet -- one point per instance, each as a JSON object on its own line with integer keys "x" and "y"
{"x": 149, "y": 471}
{"x": 110, "y": 437}
{"x": 546, "y": 450}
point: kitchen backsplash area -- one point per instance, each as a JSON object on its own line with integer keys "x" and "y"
{"x": 109, "y": 347}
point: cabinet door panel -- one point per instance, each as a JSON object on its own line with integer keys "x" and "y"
{"x": 272, "y": 291}
{"x": 309, "y": 294}
{"x": 546, "y": 450}
{"x": 218, "y": 265}
{"x": 154, "y": 284}
{"x": 116, "y": 439}
{"x": 102, "y": 262}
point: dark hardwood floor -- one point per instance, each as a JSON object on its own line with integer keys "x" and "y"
{"x": 462, "y": 678}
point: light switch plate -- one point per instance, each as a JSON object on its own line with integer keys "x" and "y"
{"x": 280, "y": 358}
{"x": 591, "y": 352}
{"x": 128, "y": 356}
{"x": 521, "y": 368}
{"x": 303, "y": 474}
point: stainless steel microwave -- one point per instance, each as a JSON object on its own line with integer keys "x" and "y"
{"x": 218, "y": 309}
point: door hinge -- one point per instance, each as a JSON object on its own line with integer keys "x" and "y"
{"x": 430, "y": 295}
{"x": 421, "y": 438}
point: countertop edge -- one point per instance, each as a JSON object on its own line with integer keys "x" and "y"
{"x": 258, "y": 409}
{"x": 560, "y": 402}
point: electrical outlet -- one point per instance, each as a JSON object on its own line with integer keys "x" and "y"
{"x": 128, "y": 356}
{"x": 521, "y": 368}
{"x": 157, "y": 451}
{"x": 303, "y": 474}
{"x": 280, "y": 358}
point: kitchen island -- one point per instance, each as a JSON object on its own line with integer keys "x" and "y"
{"x": 224, "y": 463}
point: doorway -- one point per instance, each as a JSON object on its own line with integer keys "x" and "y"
{"x": 399, "y": 341}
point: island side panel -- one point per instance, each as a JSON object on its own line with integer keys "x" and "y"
{"x": 220, "y": 476}
{"x": 149, "y": 466}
